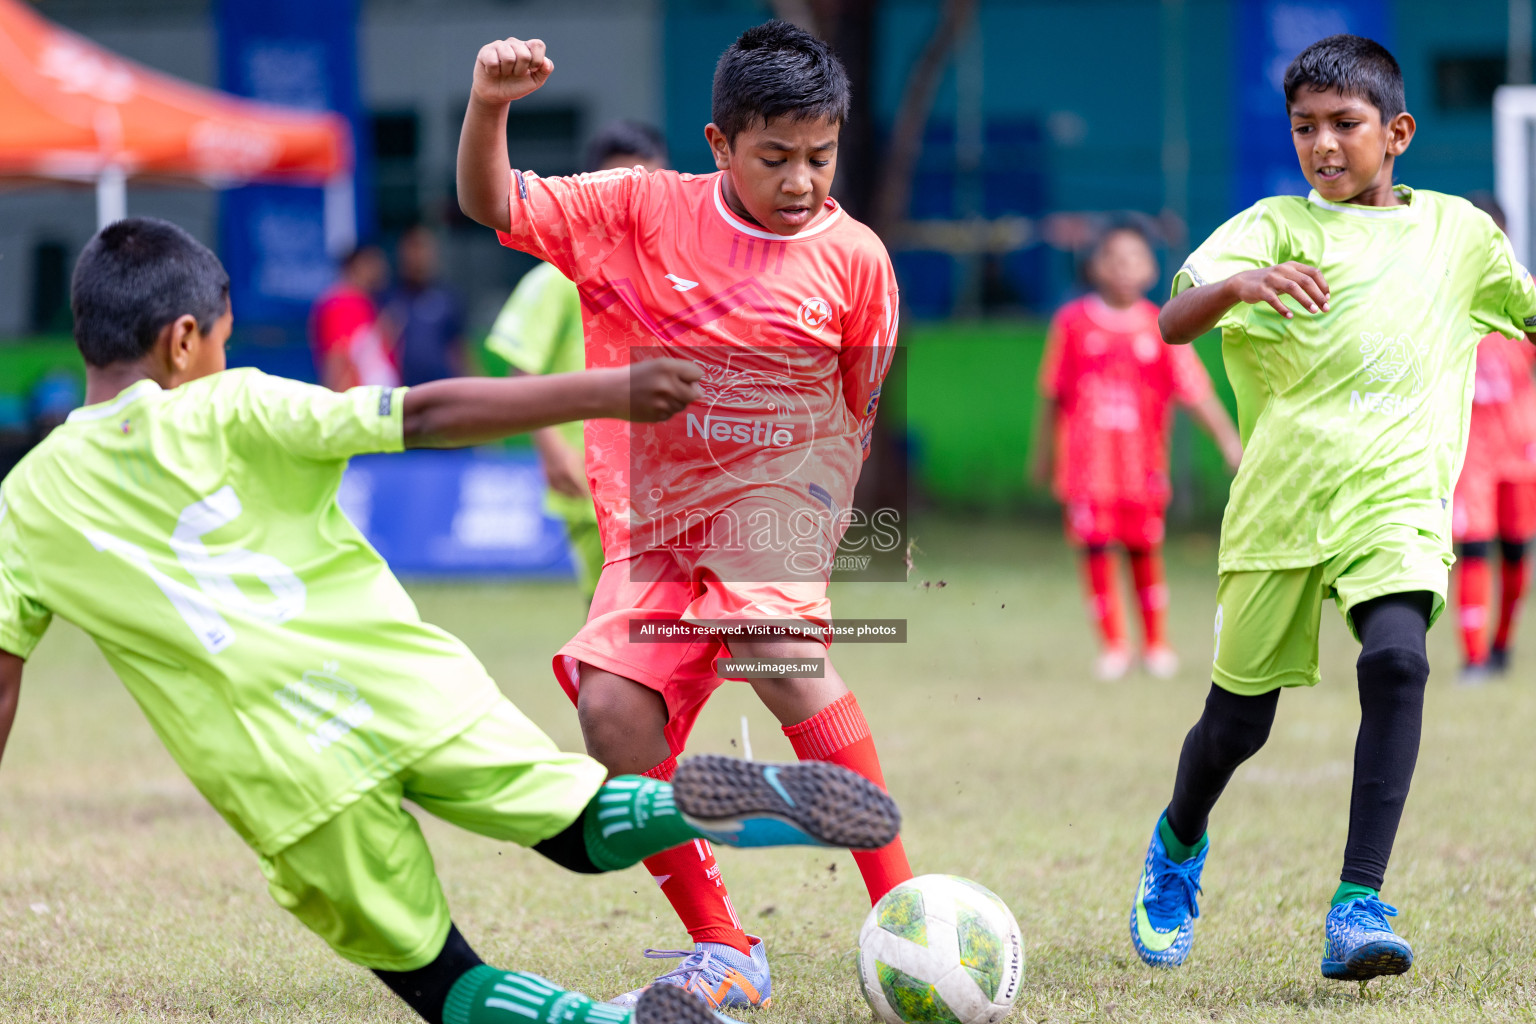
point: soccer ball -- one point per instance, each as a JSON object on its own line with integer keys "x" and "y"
{"x": 940, "y": 949}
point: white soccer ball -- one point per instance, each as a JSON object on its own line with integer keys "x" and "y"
{"x": 940, "y": 950}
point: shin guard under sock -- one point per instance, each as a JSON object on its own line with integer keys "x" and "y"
{"x": 1103, "y": 597}
{"x": 838, "y": 733}
{"x": 1151, "y": 594}
{"x": 689, "y": 878}
{"x": 1472, "y": 591}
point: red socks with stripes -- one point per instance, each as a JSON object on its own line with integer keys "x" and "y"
{"x": 1473, "y": 585}
{"x": 838, "y": 733}
{"x": 1103, "y": 598}
{"x": 690, "y": 880}
{"x": 1151, "y": 594}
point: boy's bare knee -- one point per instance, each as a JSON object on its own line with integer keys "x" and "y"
{"x": 622, "y": 722}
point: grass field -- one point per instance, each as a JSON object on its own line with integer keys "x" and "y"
{"x": 124, "y": 897}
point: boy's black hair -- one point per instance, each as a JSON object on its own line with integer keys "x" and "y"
{"x": 626, "y": 138}
{"x": 1122, "y": 226}
{"x": 1355, "y": 66}
{"x": 362, "y": 249}
{"x": 777, "y": 70}
{"x": 134, "y": 277}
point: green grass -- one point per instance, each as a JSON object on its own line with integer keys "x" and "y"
{"x": 123, "y": 897}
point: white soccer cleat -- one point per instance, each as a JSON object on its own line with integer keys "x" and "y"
{"x": 1160, "y": 662}
{"x": 1112, "y": 663}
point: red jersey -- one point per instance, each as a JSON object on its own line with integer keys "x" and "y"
{"x": 795, "y": 334}
{"x": 1501, "y": 443}
{"x": 1113, "y": 381}
{"x": 346, "y": 321}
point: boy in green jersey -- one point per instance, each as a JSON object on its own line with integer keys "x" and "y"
{"x": 1350, "y": 321}
{"x": 186, "y": 518}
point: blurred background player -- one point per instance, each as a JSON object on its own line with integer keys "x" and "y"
{"x": 539, "y": 331}
{"x": 424, "y": 317}
{"x": 346, "y": 336}
{"x": 1496, "y": 493}
{"x": 757, "y": 275}
{"x": 1107, "y": 383}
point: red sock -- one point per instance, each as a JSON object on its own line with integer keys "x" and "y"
{"x": 1473, "y": 582}
{"x": 1103, "y": 598}
{"x": 690, "y": 880}
{"x": 1151, "y": 593}
{"x": 838, "y": 733}
{"x": 1513, "y": 577}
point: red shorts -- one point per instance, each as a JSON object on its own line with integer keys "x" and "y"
{"x": 674, "y": 585}
{"x": 1135, "y": 525}
{"x": 1487, "y": 508}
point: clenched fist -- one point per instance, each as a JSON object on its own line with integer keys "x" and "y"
{"x": 510, "y": 69}
{"x": 661, "y": 388}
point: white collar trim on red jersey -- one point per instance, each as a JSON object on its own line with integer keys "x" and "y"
{"x": 737, "y": 224}
{"x": 101, "y": 410}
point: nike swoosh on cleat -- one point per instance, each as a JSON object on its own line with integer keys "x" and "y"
{"x": 771, "y": 776}
{"x": 1150, "y": 937}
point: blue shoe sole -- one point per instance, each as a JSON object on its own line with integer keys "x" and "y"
{"x": 1372, "y": 960}
{"x": 825, "y": 802}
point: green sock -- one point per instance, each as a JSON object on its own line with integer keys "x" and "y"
{"x": 1350, "y": 891}
{"x": 631, "y": 818}
{"x": 485, "y": 995}
{"x": 1178, "y": 851}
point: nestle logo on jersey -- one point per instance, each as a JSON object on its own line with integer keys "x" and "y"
{"x": 1382, "y": 402}
{"x": 741, "y": 429}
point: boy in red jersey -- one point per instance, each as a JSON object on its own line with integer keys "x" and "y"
{"x": 1106, "y": 386}
{"x": 789, "y": 306}
{"x": 1495, "y": 496}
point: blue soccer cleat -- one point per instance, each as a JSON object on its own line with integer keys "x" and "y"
{"x": 813, "y": 803}
{"x": 718, "y": 974}
{"x": 1163, "y": 919}
{"x": 1360, "y": 944}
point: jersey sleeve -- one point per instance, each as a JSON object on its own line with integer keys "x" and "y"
{"x": 868, "y": 348}
{"x": 23, "y": 620}
{"x": 315, "y": 423}
{"x": 573, "y": 222}
{"x": 1191, "y": 384}
{"x": 528, "y": 330}
{"x": 1248, "y": 241}
{"x": 1506, "y": 295}
{"x": 1051, "y": 362}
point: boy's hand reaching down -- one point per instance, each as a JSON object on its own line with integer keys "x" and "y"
{"x": 510, "y": 69}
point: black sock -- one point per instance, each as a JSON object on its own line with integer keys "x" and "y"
{"x": 426, "y": 988}
{"x": 1230, "y": 731}
{"x": 1392, "y": 673}
{"x": 568, "y": 848}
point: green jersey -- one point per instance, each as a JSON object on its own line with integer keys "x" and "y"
{"x": 1356, "y": 418}
{"x": 195, "y": 535}
{"x": 539, "y": 331}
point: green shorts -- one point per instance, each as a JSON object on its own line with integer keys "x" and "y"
{"x": 1267, "y": 620}
{"x": 364, "y": 881}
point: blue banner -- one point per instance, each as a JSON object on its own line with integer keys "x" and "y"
{"x": 297, "y": 53}
{"x": 1270, "y": 33}
{"x": 456, "y": 513}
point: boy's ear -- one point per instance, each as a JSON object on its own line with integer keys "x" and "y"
{"x": 1399, "y": 133}
{"x": 178, "y": 341}
{"x": 719, "y": 146}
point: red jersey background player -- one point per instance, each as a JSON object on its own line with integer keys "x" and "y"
{"x": 1495, "y": 497}
{"x": 1107, "y": 385}
{"x": 789, "y": 306}
{"x": 345, "y": 334}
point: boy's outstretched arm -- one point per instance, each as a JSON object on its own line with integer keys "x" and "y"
{"x": 1211, "y": 416}
{"x": 472, "y": 410}
{"x": 1194, "y": 311}
{"x": 505, "y": 70}
{"x": 10, "y": 691}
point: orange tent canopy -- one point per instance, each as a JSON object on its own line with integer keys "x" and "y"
{"x": 73, "y": 110}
